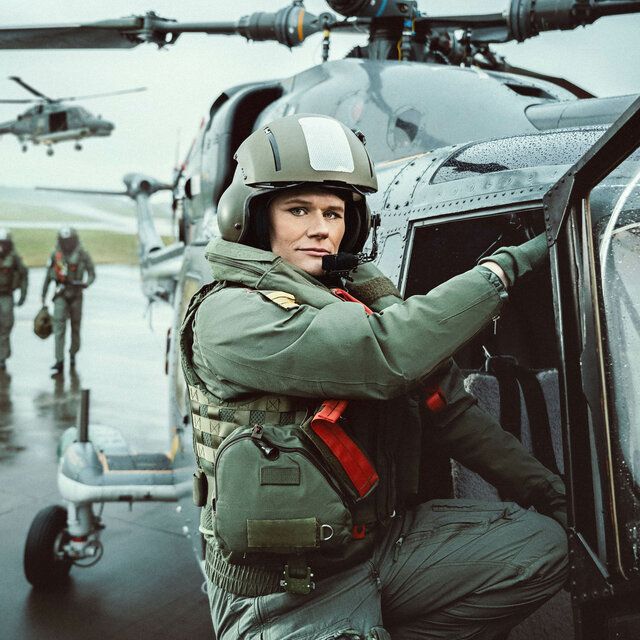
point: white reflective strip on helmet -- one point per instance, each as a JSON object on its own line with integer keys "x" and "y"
{"x": 327, "y": 144}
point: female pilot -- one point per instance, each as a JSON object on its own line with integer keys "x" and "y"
{"x": 312, "y": 394}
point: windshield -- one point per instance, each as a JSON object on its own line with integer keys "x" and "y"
{"x": 615, "y": 210}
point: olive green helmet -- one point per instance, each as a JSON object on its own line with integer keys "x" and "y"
{"x": 297, "y": 150}
{"x": 6, "y": 241}
{"x": 67, "y": 239}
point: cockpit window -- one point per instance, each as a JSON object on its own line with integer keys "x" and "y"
{"x": 615, "y": 215}
{"x": 555, "y": 148}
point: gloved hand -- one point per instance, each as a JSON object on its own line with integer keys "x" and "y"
{"x": 518, "y": 261}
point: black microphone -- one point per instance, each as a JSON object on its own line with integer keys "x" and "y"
{"x": 339, "y": 262}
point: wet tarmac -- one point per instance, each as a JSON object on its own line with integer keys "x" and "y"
{"x": 148, "y": 584}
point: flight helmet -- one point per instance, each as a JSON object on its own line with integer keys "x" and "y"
{"x": 295, "y": 151}
{"x": 6, "y": 242}
{"x": 68, "y": 239}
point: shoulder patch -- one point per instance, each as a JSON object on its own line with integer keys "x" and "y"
{"x": 281, "y": 298}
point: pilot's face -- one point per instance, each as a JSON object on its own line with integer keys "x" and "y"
{"x": 69, "y": 244}
{"x": 305, "y": 225}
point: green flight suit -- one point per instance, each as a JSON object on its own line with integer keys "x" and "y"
{"x": 247, "y": 342}
{"x": 13, "y": 275}
{"x": 71, "y": 274}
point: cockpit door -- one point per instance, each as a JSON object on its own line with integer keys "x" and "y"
{"x": 593, "y": 218}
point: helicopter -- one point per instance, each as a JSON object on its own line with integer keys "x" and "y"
{"x": 534, "y": 154}
{"x": 51, "y": 121}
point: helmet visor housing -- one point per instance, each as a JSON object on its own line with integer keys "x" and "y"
{"x": 295, "y": 151}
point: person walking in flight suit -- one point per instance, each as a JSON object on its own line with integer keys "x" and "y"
{"x": 312, "y": 395}
{"x": 13, "y": 275}
{"x": 71, "y": 269}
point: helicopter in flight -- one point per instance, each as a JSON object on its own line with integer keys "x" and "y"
{"x": 51, "y": 120}
{"x": 530, "y": 154}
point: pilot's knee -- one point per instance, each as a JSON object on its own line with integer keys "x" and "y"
{"x": 552, "y": 564}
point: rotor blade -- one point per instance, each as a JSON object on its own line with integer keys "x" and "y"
{"x": 26, "y": 101}
{"x": 102, "y": 95}
{"x": 524, "y": 19}
{"x": 289, "y": 26}
{"x": 561, "y": 82}
{"x": 91, "y": 191}
{"x": 107, "y": 34}
{"x": 487, "y": 20}
{"x": 30, "y": 89}
{"x": 527, "y": 19}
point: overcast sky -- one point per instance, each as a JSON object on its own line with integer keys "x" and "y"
{"x": 183, "y": 80}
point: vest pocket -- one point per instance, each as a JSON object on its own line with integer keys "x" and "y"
{"x": 273, "y": 494}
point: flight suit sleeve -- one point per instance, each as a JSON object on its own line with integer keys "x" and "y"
{"x": 474, "y": 438}
{"x": 338, "y": 351}
{"x": 91, "y": 272}
{"x": 465, "y": 431}
{"x": 373, "y": 288}
{"x": 48, "y": 277}
{"x": 22, "y": 280}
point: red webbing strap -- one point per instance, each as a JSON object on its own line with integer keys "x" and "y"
{"x": 355, "y": 464}
{"x": 347, "y": 297}
{"x": 58, "y": 267}
{"x": 434, "y": 399}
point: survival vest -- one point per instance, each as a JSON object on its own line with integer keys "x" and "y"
{"x": 9, "y": 274}
{"x": 281, "y": 483}
{"x": 280, "y": 499}
{"x": 65, "y": 268}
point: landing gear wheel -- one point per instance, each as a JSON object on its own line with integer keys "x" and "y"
{"x": 77, "y": 146}
{"x": 24, "y": 148}
{"x": 43, "y": 566}
{"x": 49, "y": 151}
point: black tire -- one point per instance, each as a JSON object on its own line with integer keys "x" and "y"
{"x": 41, "y": 567}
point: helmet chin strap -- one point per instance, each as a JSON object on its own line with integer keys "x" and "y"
{"x": 342, "y": 263}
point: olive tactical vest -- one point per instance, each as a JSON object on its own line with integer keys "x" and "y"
{"x": 9, "y": 274}
{"x": 66, "y": 267}
{"x": 214, "y": 421}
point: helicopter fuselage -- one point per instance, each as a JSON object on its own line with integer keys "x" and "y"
{"x": 446, "y": 105}
{"x": 48, "y": 125}
{"x": 463, "y": 161}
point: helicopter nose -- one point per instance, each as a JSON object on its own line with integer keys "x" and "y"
{"x": 104, "y": 127}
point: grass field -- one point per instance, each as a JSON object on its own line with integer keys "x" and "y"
{"x": 9, "y": 212}
{"x": 104, "y": 247}
{"x": 39, "y": 209}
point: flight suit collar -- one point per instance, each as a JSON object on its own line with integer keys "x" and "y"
{"x": 265, "y": 271}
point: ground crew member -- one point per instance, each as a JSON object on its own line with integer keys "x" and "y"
{"x": 314, "y": 394}
{"x": 13, "y": 275}
{"x": 71, "y": 268}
